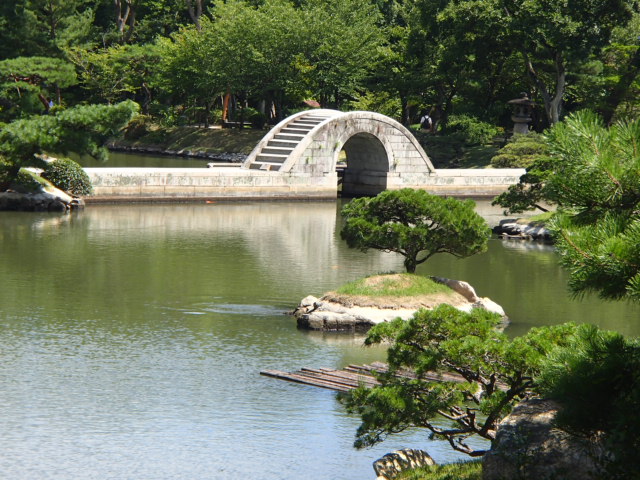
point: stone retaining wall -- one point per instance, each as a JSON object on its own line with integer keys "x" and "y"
{"x": 233, "y": 182}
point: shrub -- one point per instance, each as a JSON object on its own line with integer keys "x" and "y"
{"x": 596, "y": 378}
{"x": 522, "y": 151}
{"x": 470, "y": 130}
{"x": 137, "y": 127}
{"x": 67, "y": 175}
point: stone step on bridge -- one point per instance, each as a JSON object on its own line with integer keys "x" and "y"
{"x": 278, "y": 145}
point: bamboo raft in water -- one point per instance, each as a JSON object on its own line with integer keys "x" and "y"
{"x": 350, "y": 377}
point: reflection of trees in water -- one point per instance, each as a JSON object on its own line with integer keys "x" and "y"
{"x": 290, "y": 238}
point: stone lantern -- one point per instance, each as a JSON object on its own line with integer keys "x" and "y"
{"x": 522, "y": 110}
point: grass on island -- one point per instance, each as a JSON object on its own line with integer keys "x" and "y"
{"x": 454, "y": 471}
{"x": 393, "y": 285}
{"x": 394, "y": 291}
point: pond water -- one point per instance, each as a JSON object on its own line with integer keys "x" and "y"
{"x": 132, "y": 338}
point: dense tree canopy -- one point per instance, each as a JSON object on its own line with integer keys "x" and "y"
{"x": 400, "y": 57}
{"x": 415, "y": 224}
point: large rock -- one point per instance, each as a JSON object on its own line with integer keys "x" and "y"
{"x": 510, "y": 228}
{"x": 392, "y": 464}
{"x": 527, "y": 446}
{"x": 326, "y": 315}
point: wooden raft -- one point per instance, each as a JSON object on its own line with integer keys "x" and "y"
{"x": 349, "y": 377}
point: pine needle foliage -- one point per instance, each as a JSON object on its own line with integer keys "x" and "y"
{"x": 83, "y": 129}
{"x": 497, "y": 372}
{"x": 597, "y": 184}
{"x": 415, "y": 224}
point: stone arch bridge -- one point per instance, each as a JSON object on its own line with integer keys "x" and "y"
{"x": 380, "y": 152}
{"x": 298, "y": 159}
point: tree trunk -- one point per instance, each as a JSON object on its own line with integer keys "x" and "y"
{"x": 125, "y": 16}
{"x": 410, "y": 264}
{"x": 552, "y": 103}
{"x": 207, "y": 112}
{"x": 195, "y": 13}
{"x": 406, "y": 119}
{"x": 53, "y": 21}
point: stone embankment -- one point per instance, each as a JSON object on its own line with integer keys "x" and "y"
{"x": 334, "y": 312}
{"x": 521, "y": 230}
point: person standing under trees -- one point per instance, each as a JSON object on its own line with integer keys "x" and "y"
{"x": 426, "y": 123}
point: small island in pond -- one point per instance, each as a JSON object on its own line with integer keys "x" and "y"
{"x": 359, "y": 305}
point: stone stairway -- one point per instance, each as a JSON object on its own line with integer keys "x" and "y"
{"x": 276, "y": 151}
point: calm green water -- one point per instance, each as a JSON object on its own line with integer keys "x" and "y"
{"x": 132, "y": 338}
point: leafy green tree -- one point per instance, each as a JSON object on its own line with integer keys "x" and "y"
{"x": 251, "y": 51}
{"x": 258, "y": 49}
{"x": 342, "y": 41}
{"x": 552, "y": 39}
{"x": 553, "y": 36}
{"x": 494, "y": 372}
{"x": 189, "y": 70}
{"x": 118, "y": 73}
{"x": 621, "y": 69}
{"x": 463, "y": 42}
{"x": 415, "y": 224}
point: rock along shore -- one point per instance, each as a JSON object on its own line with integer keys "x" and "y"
{"x": 50, "y": 199}
{"x": 333, "y": 312}
{"x": 518, "y": 230}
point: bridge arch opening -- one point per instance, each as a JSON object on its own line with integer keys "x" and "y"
{"x": 367, "y": 165}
